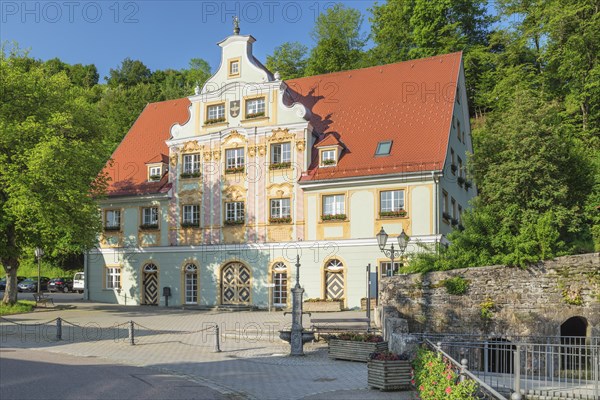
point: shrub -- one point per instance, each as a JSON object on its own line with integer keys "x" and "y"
{"x": 456, "y": 285}
{"x": 436, "y": 379}
{"x": 388, "y": 356}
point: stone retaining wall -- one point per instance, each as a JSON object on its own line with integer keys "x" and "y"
{"x": 531, "y": 301}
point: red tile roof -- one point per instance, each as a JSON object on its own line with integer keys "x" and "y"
{"x": 410, "y": 103}
{"x": 145, "y": 143}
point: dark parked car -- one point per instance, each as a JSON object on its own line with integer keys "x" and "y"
{"x": 30, "y": 284}
{"x": 60, "y": 285}
{"x": 3, "y": 282}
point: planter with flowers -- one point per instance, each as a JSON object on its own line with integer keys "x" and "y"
{"x": 356, "y": 347}
{"x": 393, "y": 214}
{"x": 389, "y": 371}
{"x": 322, "y": 305}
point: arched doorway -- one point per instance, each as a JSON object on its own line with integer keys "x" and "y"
{"x": 190, "y": 281}
{"x": 500, "y": 356}
{"x": 334, "y": 280}
{"x": 573, "y": 333}
{"x": 150, "y": 284}
{"x": 236, "y": 284}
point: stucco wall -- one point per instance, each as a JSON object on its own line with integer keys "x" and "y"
{"x": 530, "y": 301}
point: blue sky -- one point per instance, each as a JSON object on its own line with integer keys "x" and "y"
{"x": 162, "y": 34}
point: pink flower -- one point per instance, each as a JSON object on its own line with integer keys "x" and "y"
{"x": 449, "y": 376}
{"x": 448, "y": 390}
{"x": 421, "y": 388}
{"x": 412, "y": 381}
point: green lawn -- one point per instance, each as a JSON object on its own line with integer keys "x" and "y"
{"x": 22, "y": 306}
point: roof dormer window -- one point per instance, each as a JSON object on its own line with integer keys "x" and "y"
{"x": 328, "y": 158}
{"x": 384, "y": 148}
{"x": 154, "y": 173}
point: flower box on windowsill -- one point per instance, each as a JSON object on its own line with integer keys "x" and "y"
{"x": 282, "y": 220}
{"x": 255, "y": 115}
{"x": 234, "y": 222}
{"x": 333, "y": 217}
{"x": 155, "y": 178}
{"x": 446, "y": 216}
{"x": 234, "y": 170}
{"x": 453, "y": 168}
{"x": 112, "y": 228}
{"x": 214, "y": 121}
{"x": 393, "y": 214}
{"x": 454, "y": 221}
{"x": 460, "y": 180}
{"x": 190, "y": 225}
{"x": 281, "y": 165}
{"x": 148, "y": 227}
{"x": 468, "y": 185}
{"x": 328, "y": 163}
{"x": 187, "y": 175}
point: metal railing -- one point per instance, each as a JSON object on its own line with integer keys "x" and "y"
{"x": 535, "y": 367}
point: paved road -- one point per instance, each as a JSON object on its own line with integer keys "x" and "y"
{"x": 254, "y": 362}
{"x": 34, "y": 374}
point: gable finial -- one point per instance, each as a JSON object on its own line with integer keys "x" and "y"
{"x": 236, "y": 25}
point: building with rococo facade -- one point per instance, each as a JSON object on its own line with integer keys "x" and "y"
{"x": 214, "y": 195}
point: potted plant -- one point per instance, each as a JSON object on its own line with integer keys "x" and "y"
{"x": 148, "y": 226}
{"x": 255, "y": 115}
{"x": 356, "y": 347}
{"x": 322, "y": 305}
{"x": 328, "y": 162}
{"x": 155, "y": 177}
{"x": 333, "y": 217}
{"x": 234, "y": 170}
{"x": 460, "y": 180}
{"x": 388, "y": 371}
{"x": 280, "y": 220}
{"x": 234, "y": 221}
{"x": 393, "y": 214}
{"x": 112, "y": 228}
{"x": 280, "y": 165}
{"x": 190, "y": 224}
{"x": 186, "y": 175}
{"x": 214, "y": 121}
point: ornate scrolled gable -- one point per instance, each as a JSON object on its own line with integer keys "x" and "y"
{"x": 234, "y": 193}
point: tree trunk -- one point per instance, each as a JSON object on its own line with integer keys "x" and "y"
{"x": 11, "y": 264}
{"x": 10, "y": 292}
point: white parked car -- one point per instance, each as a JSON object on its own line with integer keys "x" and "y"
{"x": 78, "y": 282}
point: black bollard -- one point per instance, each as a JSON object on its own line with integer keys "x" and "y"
{"x": 217, "y": 346}
{"x": 131, "y": 334}
{"x": 58, "y": 328}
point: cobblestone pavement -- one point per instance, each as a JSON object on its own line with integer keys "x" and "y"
{"x": 253, "y": 363}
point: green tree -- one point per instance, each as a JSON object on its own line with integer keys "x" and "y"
{"x": 50, "y": 157}
{"x": 130, "y": 73}
{"x": 289, "y": 60}
{"x": 339, "y": 41}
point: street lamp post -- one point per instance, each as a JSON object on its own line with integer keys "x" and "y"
{"x": 392, "y": 253}
{"x": 39, "y": 253}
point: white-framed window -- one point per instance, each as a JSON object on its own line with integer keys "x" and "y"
{"x": 385, "y": 268}
{"x": 191, "y": 214}
{"x": 191, "y": 163}
{"x": 391, "y": 200}
{"x": 216, "y": 112}
{"x": 234, "y": 212}
{"x": 280, "y": 208}
{"x": 112, "y": 219}
{"x": 281, "y": 153}
{"x": 234, "y": 67}
{"x": 113, "y": 277}
{"x": 154, "y": 173}
{"x": 255, "y": 107}
{"x": 333, "y": 205}
{"x": 328, "y": 158}
{"x": 234, "y": 158}
{"x": 191, "y": 284}
{"x": 280, "y": 290}
{"x": 150, "y": 216}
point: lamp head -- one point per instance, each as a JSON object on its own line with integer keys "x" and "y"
{"x": 382, "y": 238}
{"x": 39, "y": 252}
{"x": 403, "y": 240}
